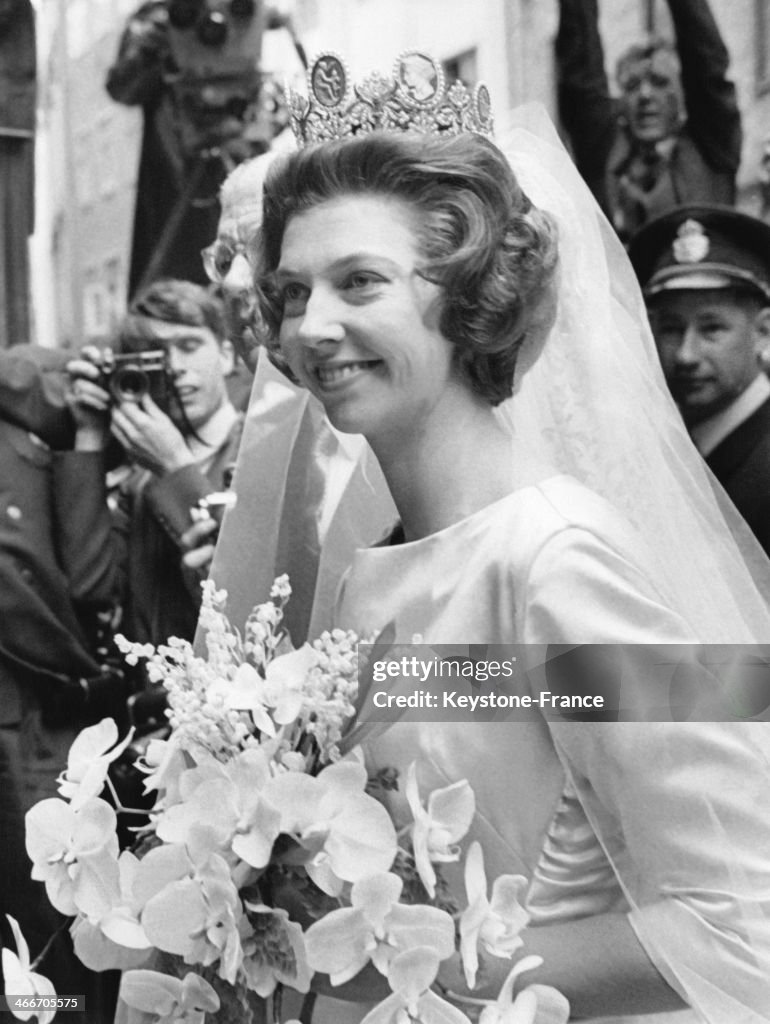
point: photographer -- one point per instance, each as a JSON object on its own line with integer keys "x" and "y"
{"x": 193, "y": 66}
{"x": 139, "y": 77}
{"x": 177, "y": 455}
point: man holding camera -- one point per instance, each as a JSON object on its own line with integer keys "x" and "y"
{"x": 164, "y": 400}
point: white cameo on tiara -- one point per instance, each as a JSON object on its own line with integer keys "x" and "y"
{"x": 413, "y": 98}
{"x": 691, "y": 244}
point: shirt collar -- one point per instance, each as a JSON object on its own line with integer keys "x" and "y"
{"x": 710, "y": 433}
{"x": 209, "y": 438}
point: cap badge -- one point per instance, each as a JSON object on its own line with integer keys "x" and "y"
{"x": 691, "y": 244}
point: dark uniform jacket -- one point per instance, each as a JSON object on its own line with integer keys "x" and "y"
{"x": 42, "y": 644}
{"x": 741, "y": 463}
{"x": 701, "y": 163}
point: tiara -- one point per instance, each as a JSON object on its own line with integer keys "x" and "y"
{"x": 414, "y": 98}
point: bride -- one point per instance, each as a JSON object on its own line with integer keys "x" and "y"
{"x": 494, "y": 355}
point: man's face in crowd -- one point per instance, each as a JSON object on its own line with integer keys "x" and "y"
{"x": 198, "y": 364}
{"x": 708, "y": 342}
{"x": 651, "y": 97}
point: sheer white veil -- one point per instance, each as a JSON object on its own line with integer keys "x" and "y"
{"x": 590, "y": 400}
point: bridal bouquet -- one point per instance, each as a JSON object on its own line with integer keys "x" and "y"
{"x": 268, "y": 856}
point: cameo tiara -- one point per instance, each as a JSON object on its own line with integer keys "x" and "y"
{"x": 413, "y": 99}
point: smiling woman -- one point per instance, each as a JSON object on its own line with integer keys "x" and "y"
{"x": 548, "y": 497}
{"x": 360, "y": 325}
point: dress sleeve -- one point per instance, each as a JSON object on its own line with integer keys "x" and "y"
{"x": 682, "y": 811}
{"x": 680, "y": 807}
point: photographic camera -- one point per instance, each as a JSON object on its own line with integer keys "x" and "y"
{"x": 216, "y": 47}
{"x": 210, "y": 21}
{"x": 132, "y": 375}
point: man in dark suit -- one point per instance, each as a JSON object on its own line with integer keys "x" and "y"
{"x": 51, "y": 683}
{"x": 705, "y": 272}
{"x": 673, "y": 136}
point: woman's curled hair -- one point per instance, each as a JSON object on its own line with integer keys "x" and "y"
{"x": 493, "y": 253}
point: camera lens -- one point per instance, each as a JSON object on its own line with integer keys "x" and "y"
{"x": 129, "y": 384}
{"x": 242, "y": 8}
{"x": 184, "y": 13}
{"x": 212, "y": 30}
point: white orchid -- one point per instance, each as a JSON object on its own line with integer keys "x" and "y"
{"x": 346, "y": 833}
{"x": 199, "y": 919}
{"x": 171, "y": 1000}
{"x": 535, "y": 1004}
{"x": 89, "y": 760}
{"x": 411, "y": 975}
{"x": 276, "y": 696}
{"x": 163, "y": 763}
{"x": 21, "y": 980}
{"x": 116, "y": 940}
{"x": 495, "y": 924}
{"x": 75, "y": 852}
{"x": 375, "y": 927}
{"x": 437, "y": 830}
{"x": 230, "y": 802}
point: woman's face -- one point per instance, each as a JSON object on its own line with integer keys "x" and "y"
{"x": 360, "y": 325}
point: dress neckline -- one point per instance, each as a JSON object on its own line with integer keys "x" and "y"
{"x": 387, "y": 544}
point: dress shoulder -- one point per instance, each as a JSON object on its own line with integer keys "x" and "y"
{"x": 582, "y": 573}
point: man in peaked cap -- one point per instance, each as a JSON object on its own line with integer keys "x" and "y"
{"x": 705, "y": 272}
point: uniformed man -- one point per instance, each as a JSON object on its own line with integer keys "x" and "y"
{"x": 51, "y": 682}
{"x": 705, "y": 271}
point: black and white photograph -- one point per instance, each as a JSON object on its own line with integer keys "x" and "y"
{"x": 385, "y": 511}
